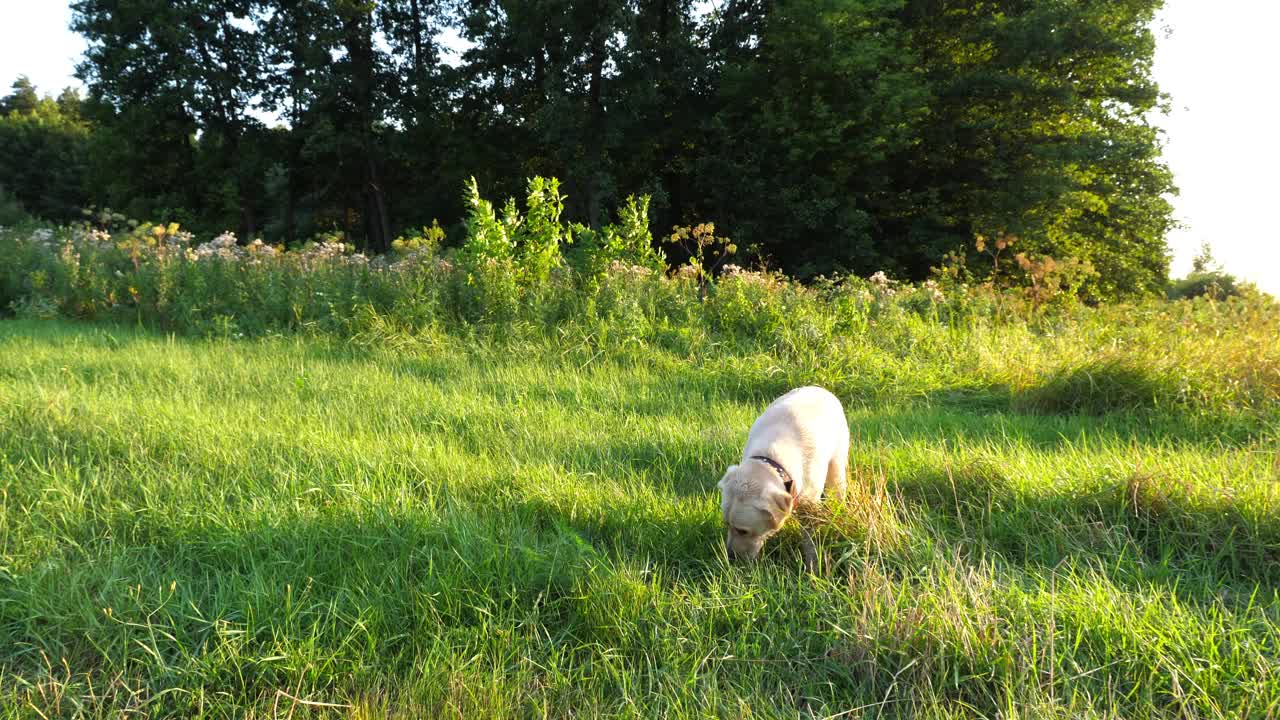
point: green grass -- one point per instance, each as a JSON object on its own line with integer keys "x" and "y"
{"x": 302, "y": 527}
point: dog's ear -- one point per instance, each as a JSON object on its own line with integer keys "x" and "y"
{"x": 784, "y": 502}
{"x": 724, "y": 481}
{"x": 777, "y": 507}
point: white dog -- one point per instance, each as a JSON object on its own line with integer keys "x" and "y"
{"x": 797, "y": 448}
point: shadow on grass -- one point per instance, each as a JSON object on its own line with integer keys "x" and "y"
{"x": 376, "y": 596}
{"x": 1109, "y": 400}
{"x": 1140, "y": 528}
{"x": 367, "y": 600}
{"x": 337, "y": 602}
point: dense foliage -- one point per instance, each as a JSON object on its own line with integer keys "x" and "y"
{"x": 822, "y": 135}
{"x": 523, "y": 270}
{"x": 44, "y": 146}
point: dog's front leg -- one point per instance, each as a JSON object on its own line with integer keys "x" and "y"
{"x": 809, "y": 551}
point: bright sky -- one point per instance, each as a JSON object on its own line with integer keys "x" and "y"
{"x": 1218, "y": 63}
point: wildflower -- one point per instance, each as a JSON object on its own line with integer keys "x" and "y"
{"x": 259, "y": 249}
{"x": 223, "y": 247}
{"x": 625, "y": 269}
{"x": 70, "y": 256}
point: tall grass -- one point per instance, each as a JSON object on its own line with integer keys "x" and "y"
{"x": 212, "y": 528}
{"x": 1208, "y": 363}
{"x": 481, "y": 483}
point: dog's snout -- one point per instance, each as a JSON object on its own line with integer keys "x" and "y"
{"x": 740, "y": 554}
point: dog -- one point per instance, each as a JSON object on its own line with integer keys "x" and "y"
{"x": 797, "y": 449}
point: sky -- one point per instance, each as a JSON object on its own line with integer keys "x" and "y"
{"x": 1219, "y": 65}
{"x": 1217, "y": 61}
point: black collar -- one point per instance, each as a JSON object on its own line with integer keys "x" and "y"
{"x": 786, "y": 476}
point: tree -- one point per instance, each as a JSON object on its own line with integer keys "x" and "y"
{"x": 43, "y": 153}
{"x": 200, "y": 64}
{"x": 833, "y": 135}
{"x": 1204, "y": 261}
{"x": 23, "y": 99}
{"x": 662, "y": 100}
{"x": 1037, "y": 126}
{"x": 541, "y": 81}
{"x": 814, "y": 116}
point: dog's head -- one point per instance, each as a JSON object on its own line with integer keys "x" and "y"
{"x": 755, "y": 502}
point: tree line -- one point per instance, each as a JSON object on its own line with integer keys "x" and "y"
{"x": 822, "y": 135}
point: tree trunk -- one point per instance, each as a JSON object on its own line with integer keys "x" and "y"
{"x": 359, "y": 42}
{"x": 416, "y": 22}
{"x": 376, "y": 201}
{"x": 291, "y": 206}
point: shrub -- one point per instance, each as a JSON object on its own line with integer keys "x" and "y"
{"x": 867, "y": 337}
{"x": 427, "y": 240}
{"x": 1206, "y": 279}
{"x": 1212, "y": 284}
{"x": 11, "y": 210}
{"x": 539, "y": 235}
{"x": 625, "y": 244}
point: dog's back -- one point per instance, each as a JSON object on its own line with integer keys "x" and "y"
{"x": 804, "y": 429}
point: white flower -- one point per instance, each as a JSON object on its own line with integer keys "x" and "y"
{"x": 625, "y": 269}
{"x": 224, "y": 247}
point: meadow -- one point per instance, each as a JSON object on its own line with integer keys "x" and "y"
{"x": 438, "y": 492}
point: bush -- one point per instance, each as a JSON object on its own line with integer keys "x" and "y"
{"x": 1206, "y": 279}
{"x": 1213, "y": 284}
{"x": 11, "y": 210}
{"x": 526, "y": 274}
{"x": 626, "y": 244}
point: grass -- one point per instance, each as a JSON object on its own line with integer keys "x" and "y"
{"x": 304, "y": 527}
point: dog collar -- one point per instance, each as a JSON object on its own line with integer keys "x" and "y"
{"x": 786, "y": 476}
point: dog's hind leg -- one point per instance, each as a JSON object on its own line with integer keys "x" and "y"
{"x": 837, "y": 472}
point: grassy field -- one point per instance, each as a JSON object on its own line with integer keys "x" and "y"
{"x": 293, "y": 527}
